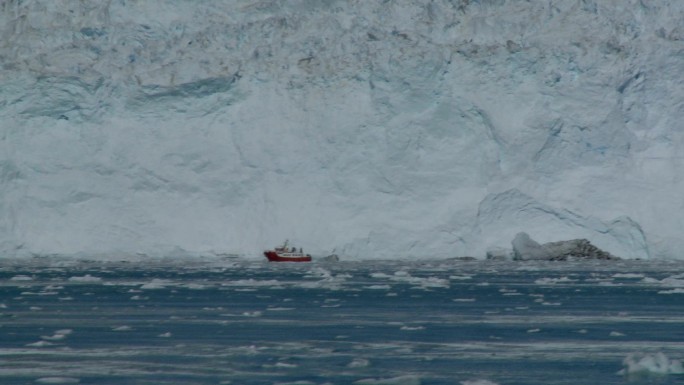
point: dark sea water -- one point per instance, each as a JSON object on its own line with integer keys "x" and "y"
{"x": 251, "y": 322}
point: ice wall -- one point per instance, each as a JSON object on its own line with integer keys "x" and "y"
{"x": 398, "y": 128}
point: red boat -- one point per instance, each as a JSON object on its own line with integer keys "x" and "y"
{"x": 285, "y": 254}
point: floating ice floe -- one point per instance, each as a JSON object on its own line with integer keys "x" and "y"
{"x": 553, "y": 281}
{"x": 628, "y": 275}
{"x": 252, "y": 314}
{"x": 678, "y": 290}
{"x": 379, "y": 275}
{"x": 318, "y": 272}
{"x": 58, "y": 335}
{"x": 40, "y": 293}
{"x": 328, "y": 282}
{"x": 673, "y": 281}
{"x": 358, "y": 363}
{"x": 85, "y": 279}
{"x": 285, "y": 365}
{"x": 58, "y": 380}
{"x": 21, "y": 278}
{"x": 156, "y": 284}
{"x": 657, "y": 363}
{"x": 195, "y": 286}
{"x": 40, "y": 344}
{"x": 413, "y": 328}
{"x": 253, "y": 282}
{"x": 401, "y": 380}
{"x": 419, "y": 282}
{"x": 509, "y": 292}
{"x": 478, "y": 382}
{"x": 377, "y": 287}
{"x": 460, "y": 277}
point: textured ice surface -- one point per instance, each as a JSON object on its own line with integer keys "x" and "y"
{"x": 657, "y": 363}
{"x": 377, "y": 129}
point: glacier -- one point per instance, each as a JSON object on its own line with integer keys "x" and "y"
{"x": 374, "y": 129}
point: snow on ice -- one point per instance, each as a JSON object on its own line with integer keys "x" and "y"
{"x": 375, "y": 129}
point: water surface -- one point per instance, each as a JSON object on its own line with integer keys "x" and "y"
{"x": 251, "y": 322}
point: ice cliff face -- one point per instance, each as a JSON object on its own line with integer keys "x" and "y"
{"x": 408, "y": 128}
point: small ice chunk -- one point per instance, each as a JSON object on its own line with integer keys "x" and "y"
{"x": 628, "y": 275}
{"x": 85, "y": 279}
{"x": 478, "y": 382}
{"x": 678, "y": 290}
{"x": 195, "y": 286}
{"x": 156, "y": 284}
{"x": 378, "y": 287}
{"x": 460, "y": 277}
{"x": 433, "y": 282}
{"x": 253, "y": 283}
{"x": 123, "y": 328}
{"x": 401, "y": 380}
{"x": 21, "y": 278}
{"x": 358, "y": 363}
{"x": 165, "y": 335}
{"x": 379, "y": 275}
{"x": 58, "y": 380}
{"x": 413, "y": 328}
{"x": 40, "y": 344}
{"x": 649, "y": 280}
{"x": 285, "y": 365}
{"x": 553, "y": 281}
{"x": 252, "y": 314}
{"x": 55, "y": 337}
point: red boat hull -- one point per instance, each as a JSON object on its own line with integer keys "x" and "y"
{"x": 275, "y": 257}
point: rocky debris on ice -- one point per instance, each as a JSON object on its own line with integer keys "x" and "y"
{"x": 499, "y": 254}
{"x": 331, "y": 258}
{"x": 464, "y": 258}
{"x": 525, "y": 248}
